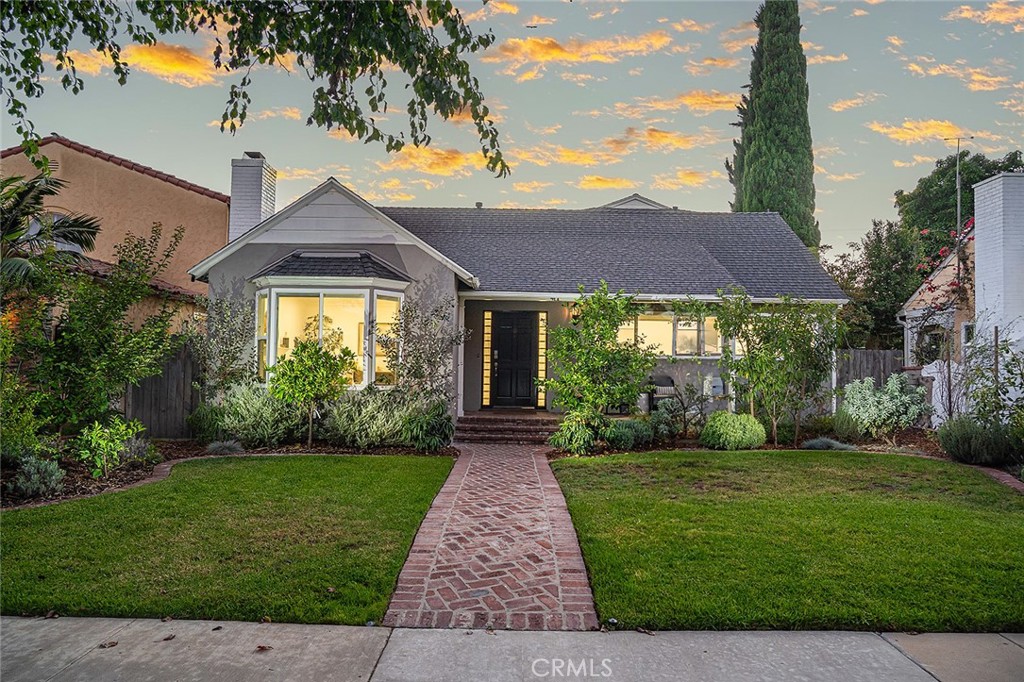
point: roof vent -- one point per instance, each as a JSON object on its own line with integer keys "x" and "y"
{"x": 479, "y": 204}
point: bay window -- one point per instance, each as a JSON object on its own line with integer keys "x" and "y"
{"x": 339, "y": 317}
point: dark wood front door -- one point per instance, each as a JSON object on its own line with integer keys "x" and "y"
{"x": 514, "y": 361}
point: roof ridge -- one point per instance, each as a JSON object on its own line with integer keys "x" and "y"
{"x": 122, "y": 161}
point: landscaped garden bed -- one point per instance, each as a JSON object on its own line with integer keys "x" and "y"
{"x": 296, "y": 539}
{"x": 797, "y": 540}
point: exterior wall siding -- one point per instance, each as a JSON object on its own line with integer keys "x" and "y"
{"x": 999, "y": 259}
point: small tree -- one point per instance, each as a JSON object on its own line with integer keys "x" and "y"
{"x": 220, "y": 340}
{"x": 787, "y": 351}
{"x": 312, "y": 375}
{"x": 591, "y": 368}
{"x": 84, "y": 338}
{"x": 417, "y": 346}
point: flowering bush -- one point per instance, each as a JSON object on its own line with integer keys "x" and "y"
{"x": 883, "y": 411}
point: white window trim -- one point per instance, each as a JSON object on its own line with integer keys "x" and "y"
{"x": 257, "y": 337}
{"x": 378, "y": 294}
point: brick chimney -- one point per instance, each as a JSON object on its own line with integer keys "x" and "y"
{"x": 253, "y": 193}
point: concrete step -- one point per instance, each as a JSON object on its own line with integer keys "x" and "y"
{"x": 497, "y": 427}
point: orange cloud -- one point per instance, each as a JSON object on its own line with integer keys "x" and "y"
{"x": 859, "y": 13}
{"x": 738, "y": 37}
{"x": 538, "y": 20}
{"x": 531, "y": 186}
{"x": 1014, "y": 104}
{"x": 826, "y": 58}
{"x": 549, "y": 130}
{"x": 546, "y": 154}
{"x": 519, "y": 52}
{"x": 465, "y": 116}
{"x": 293, "y": 113}
{"x": 602, "y": 182}
{"x": 434, "y": 161}
{"x": 895, "y": 41}
{"x": 554, "y": 202}
{"x": 700, "y": 102}
{"x": 852, "y": 103}
{"x": 684, "y": 177}
{"x": 318, "y": 174}
{"x": 656, "y": 139}
{"x": 704, "y": 66}
{"x": 917, "y": 160}
{"x": 690, "y": 25}
{"x": 914, "y": 132}
{"x": 91, "y": 63}
{"x": 834, "y": 177}
{"x": 490, "y": 9}
{"x": 977, "y": 79}
{"x": 1001, "y": 12}
{"x": 581, "y": 79}
{"x": 173, "y": 63}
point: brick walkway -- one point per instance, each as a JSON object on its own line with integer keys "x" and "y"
{"x": 497, "y": 549}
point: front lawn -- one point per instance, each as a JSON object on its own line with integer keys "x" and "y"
{"x": 295, "y": 539}
{"x": 797, "y": 540}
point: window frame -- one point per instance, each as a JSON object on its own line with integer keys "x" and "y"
{"x": 371, "y": 331}
{"x": 699, "y": 319}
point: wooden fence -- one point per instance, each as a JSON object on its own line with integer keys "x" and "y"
{"x": 163, "y": 402}
{"x": 857, "y": 364}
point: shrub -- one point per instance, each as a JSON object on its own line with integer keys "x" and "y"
{"x": 311, "y": 375}
{"x": 728, "y": 431}
{"x": 224, "y": 447}
{"x": 667, "y": 419}
{"x": 207, "y": 423}
{"x": 139, "y": 449}
{"x": 967, "y": 441}
{"x": 826, "y": 444}
{"x": 785, "y": 431}
{"x": 102, "y": 447}
{"x": 619, "y": 435}
{"x": 845, "y": 427}
{"x": 371, "y": 417}
{"x": 257, "y": 419}
{"x": 884, "y": 411}
{"x": 428, "y": 427}
{"x": 18, "y": 403}
{"x": 37, "y": 478}
{"x": 643, "y": 434}
{"x": 820, "y": 425}
{"x": 577, "y": 434}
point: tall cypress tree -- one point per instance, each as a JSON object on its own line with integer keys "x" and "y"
{"x": 773, "y": 165}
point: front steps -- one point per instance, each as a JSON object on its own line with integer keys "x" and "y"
{"x": 503, "y": 427}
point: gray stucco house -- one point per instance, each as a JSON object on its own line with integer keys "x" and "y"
{"x": 333, "y": 258}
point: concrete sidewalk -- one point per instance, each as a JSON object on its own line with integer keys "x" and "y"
{"x": 70, "y": 649}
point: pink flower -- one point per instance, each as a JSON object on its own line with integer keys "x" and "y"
{"x": 923, "y": 232}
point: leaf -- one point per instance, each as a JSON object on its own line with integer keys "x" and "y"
{"x": 263, "y": 647}
{"x": 169, "y": 637}
{"x": 108, "y": 645}
{"x": 219, "y": 627}
{"x": 265, "y": 619}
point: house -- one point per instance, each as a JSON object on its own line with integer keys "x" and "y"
{"x": 129, "y": 197}
{"x": 990, "y": 266}
{"x": 332, "y": 258}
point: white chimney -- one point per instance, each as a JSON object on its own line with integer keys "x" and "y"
{"x": 253, "y": 193}
{"x": 999, "y": 253}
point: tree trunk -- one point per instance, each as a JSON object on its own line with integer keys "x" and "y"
{"x": 775, "y": 431}
{"x": 309, "y": 437}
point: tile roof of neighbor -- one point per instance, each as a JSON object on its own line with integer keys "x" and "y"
{"x": 120, "y": 161}
{"x": 324, "y": 264}
{"x": 101, "y": 269}
{"x": 653, "y": 251}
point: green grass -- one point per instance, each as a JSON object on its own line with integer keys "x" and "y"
{"x": 797, "y": 540}
{"x": 232, "y": 539}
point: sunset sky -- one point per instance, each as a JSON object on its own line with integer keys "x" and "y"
{"x": 599, "y": 100}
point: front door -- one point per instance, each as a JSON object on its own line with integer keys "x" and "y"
{"x": 514, "y": 361}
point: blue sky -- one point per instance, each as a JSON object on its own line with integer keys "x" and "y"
{"x": 599, "y": 100}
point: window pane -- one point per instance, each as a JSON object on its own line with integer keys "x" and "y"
{"x": 627, "y": 332}
{"x": 261, "y": 315}
{"x": 261, "y": 359}
{"x": 656, "y": 330}
{"x": 344, "y": 321}
{"x": 297, "y": 316}
{"x": 712, "y": 339}
{"x": 387, "y": 313}
{"x": 741, "y": 348}
{"x": 686, "y": 337}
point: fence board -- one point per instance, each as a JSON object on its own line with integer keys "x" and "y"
{"x": 163, "y": 402}
{"x": 858, "y": 363}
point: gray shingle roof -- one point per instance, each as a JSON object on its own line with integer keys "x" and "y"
{"x": 320, "y": 264}
{"x": 667, "y": 252}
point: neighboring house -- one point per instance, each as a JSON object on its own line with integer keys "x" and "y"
{"x": 333, "y": 260}
{"x": 128, "y": 197}
{"x": 994, "y": 259}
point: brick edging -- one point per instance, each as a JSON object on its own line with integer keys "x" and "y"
{"x": 163, "y": 470}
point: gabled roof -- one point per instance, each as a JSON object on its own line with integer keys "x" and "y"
{"x": 202, "y": 268}
{"x": 634, "y": 198}
{"x": 659, "y": 252}
{"x": 120, "y": 161}
{"x": 331, "y": 264}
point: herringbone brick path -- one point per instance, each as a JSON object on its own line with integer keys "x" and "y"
{"x": 497, "y": 549}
